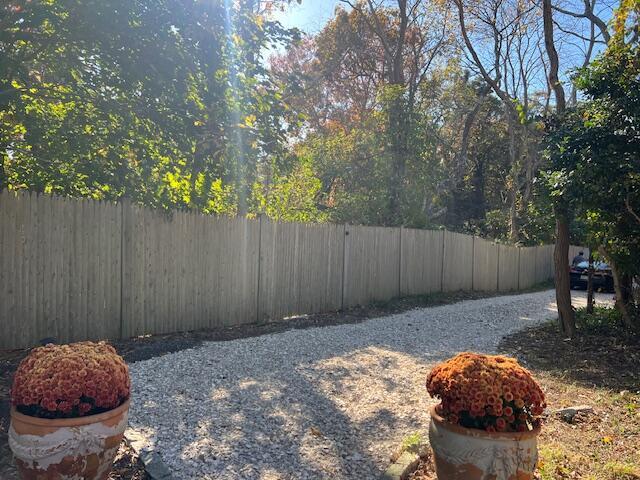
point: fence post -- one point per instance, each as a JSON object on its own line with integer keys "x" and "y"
{"x": 519, "y": 250}
{"x": 344, "y": 262}
{"x": 444, "y": 239}
{"x": 400, "y": 266}
{"x": 259, "y": 269}
{"x": 473, "y": 262}
{"x": 498, "y": 269}
{"x": 124, "y": 206}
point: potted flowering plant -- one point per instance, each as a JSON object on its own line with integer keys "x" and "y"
{"x": 69, "y": 411}
{"x": 487, "y": 423}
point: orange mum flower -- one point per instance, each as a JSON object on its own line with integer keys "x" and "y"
{"x": 489, "y": 392}
{"x": 60, "y": 381}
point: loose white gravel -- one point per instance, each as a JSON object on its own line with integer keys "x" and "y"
{"x": 323, "y": 403}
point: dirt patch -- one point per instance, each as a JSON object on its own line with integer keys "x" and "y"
{"x": 604, "y": 360}
{"x": 599, "y": 370}
{"x": 425, "y": 469}
{"x": 127, "y": 466}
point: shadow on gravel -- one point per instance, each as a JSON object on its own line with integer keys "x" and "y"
{"x": 248, "y": 421}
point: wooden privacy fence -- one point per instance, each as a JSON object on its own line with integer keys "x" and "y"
{"x": 76, "y": 269}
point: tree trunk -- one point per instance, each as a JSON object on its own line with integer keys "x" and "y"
{"x": 621, "y": 303}
{"x": 554, "y": 81}
{"x": 566, "y": 317}
{"x": 398, "y": 125}
{"x": 514, "y": 234}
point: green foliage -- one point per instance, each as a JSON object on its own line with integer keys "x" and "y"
{"x": 413, "y": 443}
{"x": 123, "y": 98}
{"x": 293, "y": 197}
{"x": 353, "y": 173}
{"x": 603, "y": 320}
{"x": 116, "y": 98}
{"x": 595, "y": 150}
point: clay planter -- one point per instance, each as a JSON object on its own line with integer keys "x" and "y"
{"x": 471, "y": 454}
{"x": 67, "y": 448}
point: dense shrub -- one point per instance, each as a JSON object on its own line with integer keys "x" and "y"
{"x": 603, "y": 320}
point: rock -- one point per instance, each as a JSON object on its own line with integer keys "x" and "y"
{"x": 154, "y": 465}
{"x": 402, "y": 467}
{"x": 569, "y": 413}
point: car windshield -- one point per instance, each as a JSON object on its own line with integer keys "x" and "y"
{"x": 596, "y": 265}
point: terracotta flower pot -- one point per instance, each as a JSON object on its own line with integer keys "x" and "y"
{"x": 471, "y": 454}
{"x": 67, "y": 448}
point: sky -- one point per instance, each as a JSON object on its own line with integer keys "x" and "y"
{"x": 310, "y": 16}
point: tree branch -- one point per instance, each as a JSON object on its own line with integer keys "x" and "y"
{"x": 631, "y": 210}
{"x": 547, "y": 16}
{"x": 589, "y": 15}
{"x": 476, "y": 59}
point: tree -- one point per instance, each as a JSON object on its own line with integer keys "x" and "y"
{"x": 506, "y": 34}
{"x": 594, "y": 150}
{"x": 409, "y": 50}
{"x": 114, "y": 98}
{"x": 566, "y": 317}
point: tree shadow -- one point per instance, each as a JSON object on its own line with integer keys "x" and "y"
{"x": 259, "y": 427}
{"x": 305, "y": 404}
{"x": 604, "y": 360}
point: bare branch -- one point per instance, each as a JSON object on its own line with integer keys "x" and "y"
{"x": 631, "y": 210}
{"x": 589, "y": 15}
{"x": 476, "y": 59}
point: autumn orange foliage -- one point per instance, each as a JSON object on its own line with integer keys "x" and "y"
{"x": 66, "y": 381}
{"x": 489, "y": 392}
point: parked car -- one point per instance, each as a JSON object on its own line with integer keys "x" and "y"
{"x": 602, "y": 276}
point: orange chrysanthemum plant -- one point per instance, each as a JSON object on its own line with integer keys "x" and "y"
{"x": 67, "y": 381}
{"x": 487, "y": 392}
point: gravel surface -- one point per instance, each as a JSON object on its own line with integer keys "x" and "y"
{"x": 323, "y": 403}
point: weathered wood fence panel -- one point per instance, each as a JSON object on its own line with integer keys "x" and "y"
{"x": 230, "y": 249}
{"x": 300, "y": 268}
{"x": 185, "y": 271}
{"x": 457, "y": 270}
{"x": 371, "y": 264}
{"x": 508, "y": 268}
{"x": 59, "y": 269}
{"x": 544, "y": 263}
{"x": 77, "y": 269}
{"x": 485, "y": 265}
{"x": 421, "y": 261}
{"x": 527, "y": 273}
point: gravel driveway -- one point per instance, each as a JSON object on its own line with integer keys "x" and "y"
{"x": 322, "y": 403}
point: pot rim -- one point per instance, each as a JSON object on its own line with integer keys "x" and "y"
{"x": 474, "y": 432}
{"x": 70, "y": 422}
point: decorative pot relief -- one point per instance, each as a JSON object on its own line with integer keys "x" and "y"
{"x": 468, "y": 454}
{"x": 67, "y": 449}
